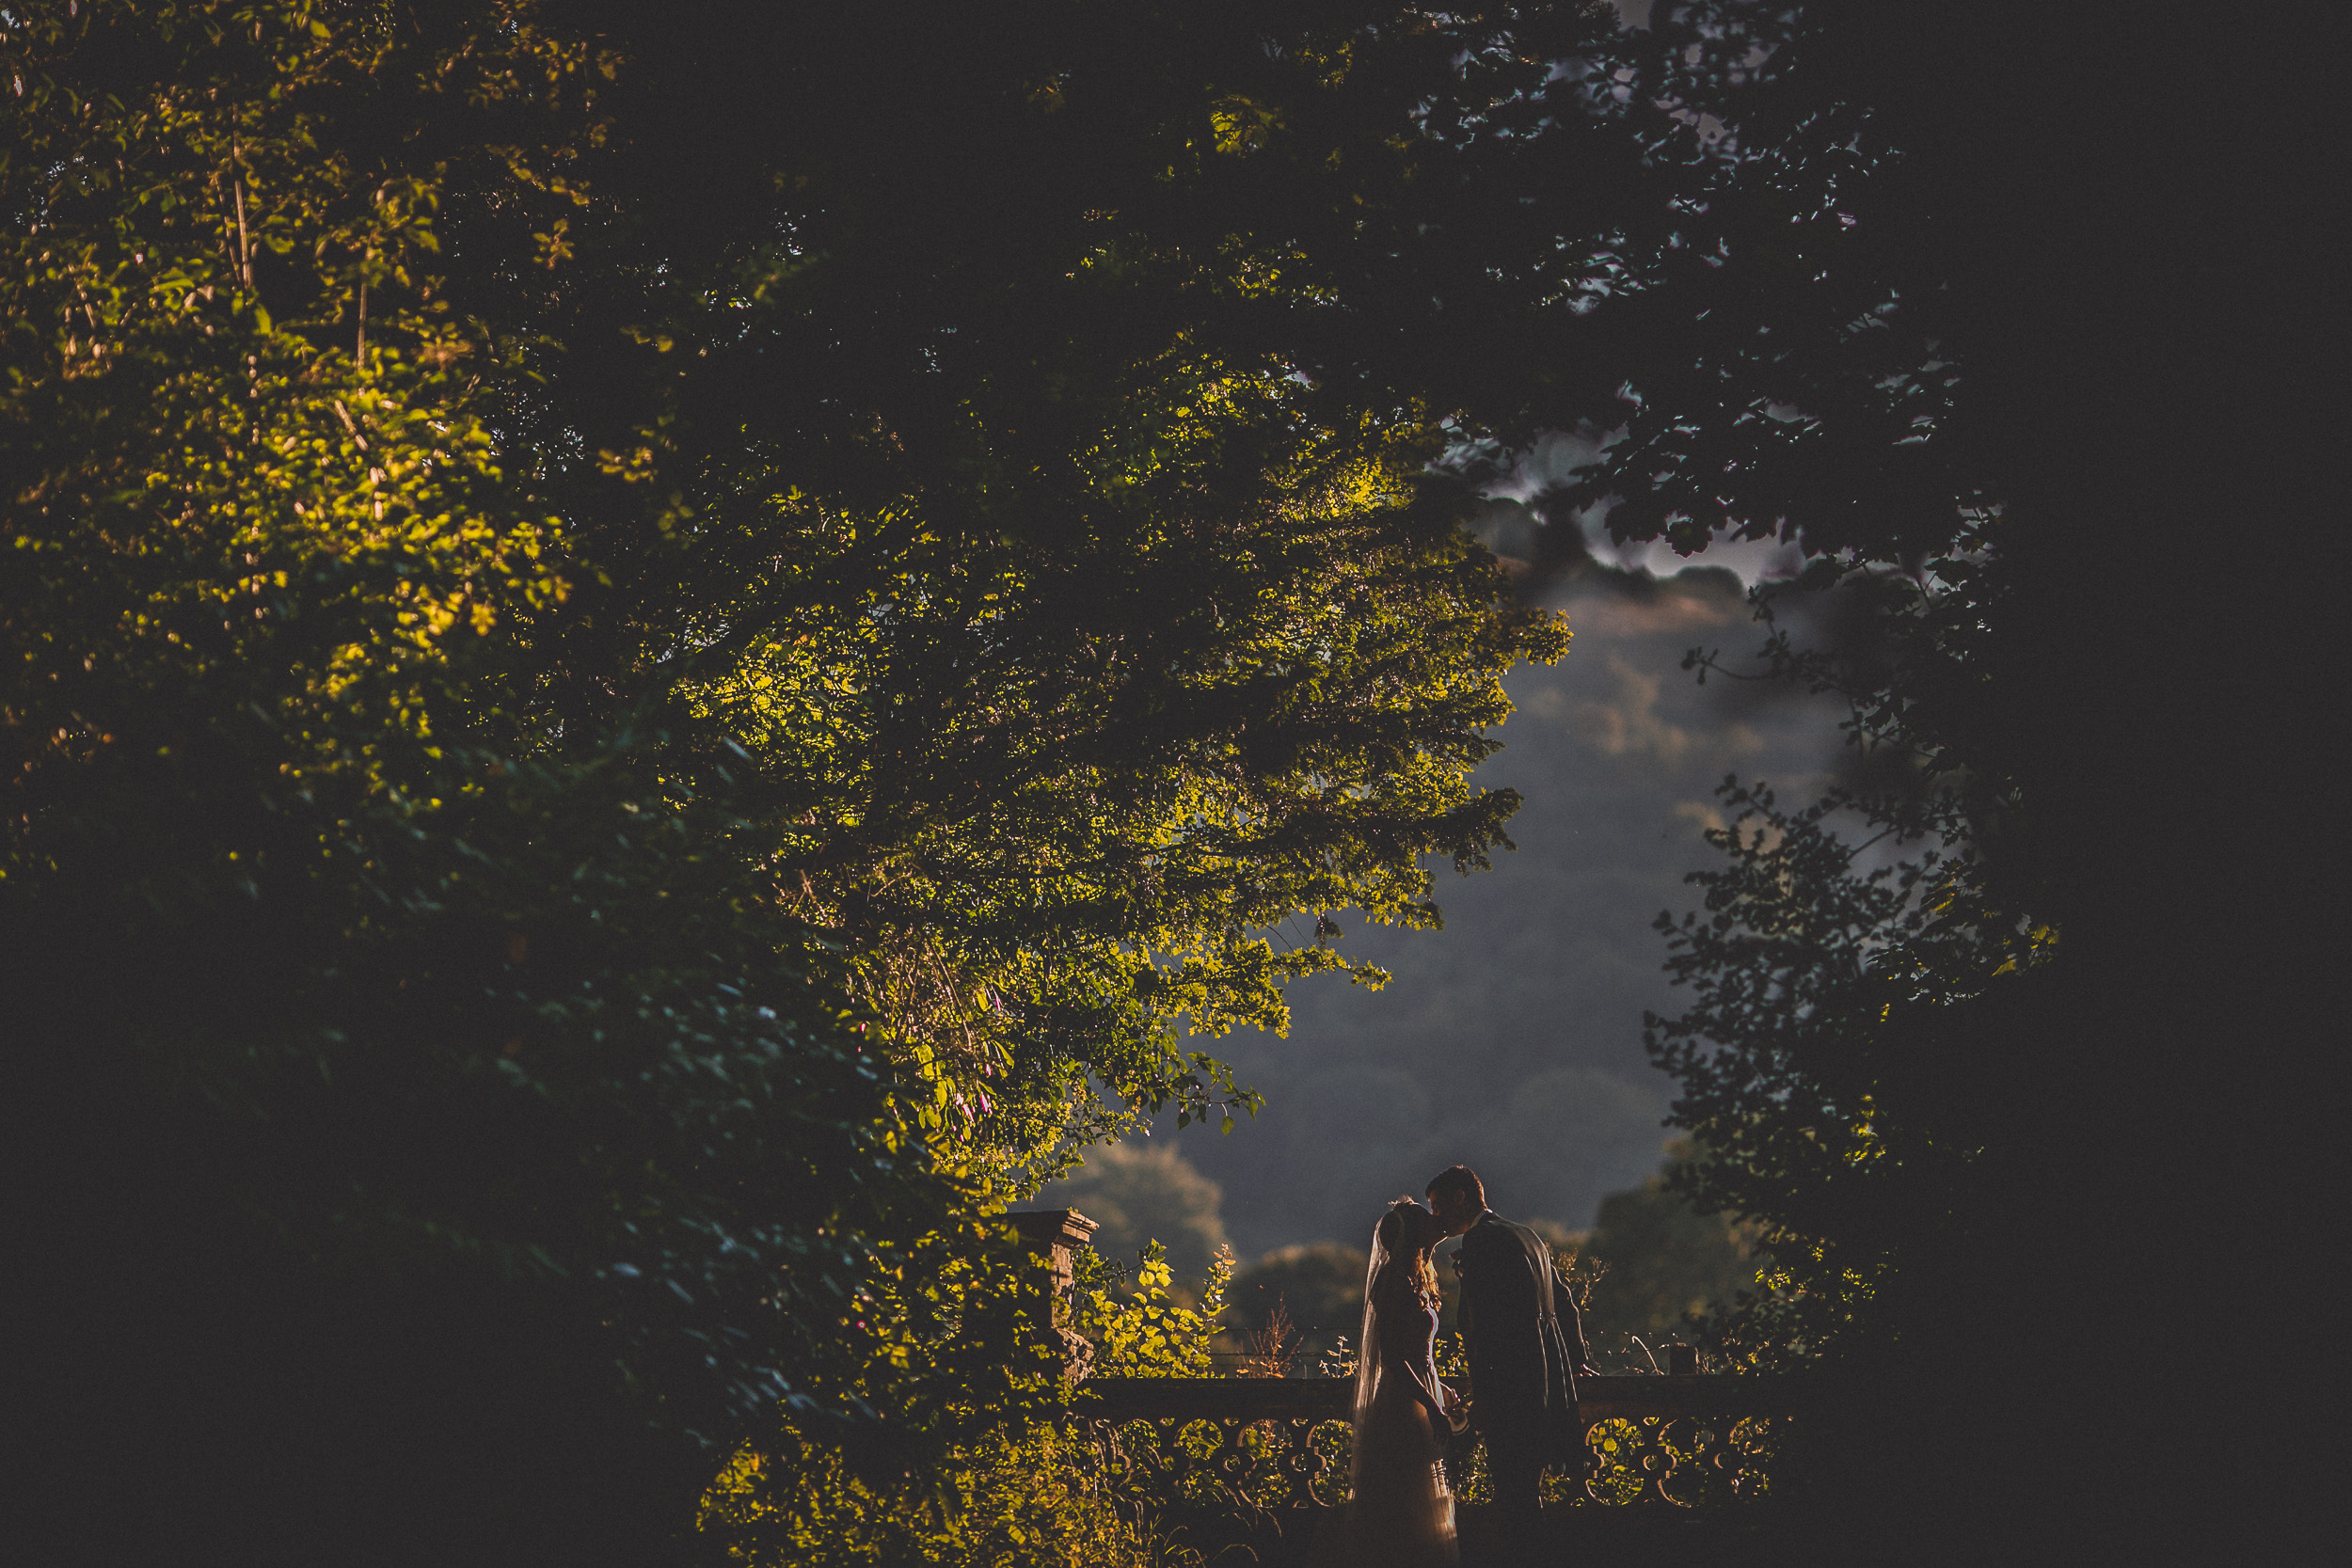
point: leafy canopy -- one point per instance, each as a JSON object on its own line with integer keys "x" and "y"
{"x": 686, "y": 643}
{"x": 423, "y": 979}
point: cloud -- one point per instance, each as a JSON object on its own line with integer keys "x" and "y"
{"x": 1612, "y": 618}
{"x": 1628, "y": 723}
{"x": 1707, "y": 817}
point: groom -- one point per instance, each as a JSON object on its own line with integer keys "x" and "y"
{"x": 1525, "y": 1342}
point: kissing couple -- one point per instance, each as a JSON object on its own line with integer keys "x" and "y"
{"x": 1525, "y": 1347}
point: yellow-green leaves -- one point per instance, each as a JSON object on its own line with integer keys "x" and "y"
{"x": 1064, "y": 789}
{"x": 204, "y": 436}
{"x": 1151, "y": 1332}
{"x": 1243, "y": 126}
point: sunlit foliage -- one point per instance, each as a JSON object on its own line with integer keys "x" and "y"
{"x": 1016, "y": 1493}
{"x": 273, "y": 611}
{"x": 1038, "y": 1498}
{"x": 1056, "y": 790}
{"x": 1147, "y": 1331}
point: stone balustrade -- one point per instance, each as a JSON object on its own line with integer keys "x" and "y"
{"x": 1283, "y": 1443}
{"x": 1259, "y": 1444}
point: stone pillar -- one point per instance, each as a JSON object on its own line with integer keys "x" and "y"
{"x": 1052, "y": 1234}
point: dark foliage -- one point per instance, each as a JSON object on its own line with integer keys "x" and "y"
{"x": 1976, "y": 1161}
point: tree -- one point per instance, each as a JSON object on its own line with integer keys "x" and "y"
{"x": 1979, "y": 1154}
{"x": 389, "y": 1079}
{"x": 1657, "y": 1261}
{"x": 1196, "y": 645}
{"x": 635, "y": 738}
{"x": 1009, "y": 1495}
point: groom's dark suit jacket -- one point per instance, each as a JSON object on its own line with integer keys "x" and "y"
{"x": 1523, "y": 1335}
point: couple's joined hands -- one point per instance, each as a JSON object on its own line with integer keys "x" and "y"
{"x": 1456, "y": 1411}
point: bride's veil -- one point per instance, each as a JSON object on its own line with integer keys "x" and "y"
{"x": 1368, "y": 1343}
{"x": 1400, "y": 1510}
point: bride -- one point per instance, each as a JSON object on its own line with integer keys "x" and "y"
{"x": 1401, "y": 1515}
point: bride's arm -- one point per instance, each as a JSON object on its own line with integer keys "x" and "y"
{"x": 1423, "y": 1392}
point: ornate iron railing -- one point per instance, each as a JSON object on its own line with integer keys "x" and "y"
{"x": 1279, "y": 1443}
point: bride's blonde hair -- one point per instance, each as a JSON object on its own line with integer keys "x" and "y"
{"x": 1425, "y": 1275}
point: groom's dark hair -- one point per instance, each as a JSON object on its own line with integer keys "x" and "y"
{"x": 1459, "y": 1178}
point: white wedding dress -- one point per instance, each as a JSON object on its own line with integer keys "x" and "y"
{"x": 1400, "y": 1513}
